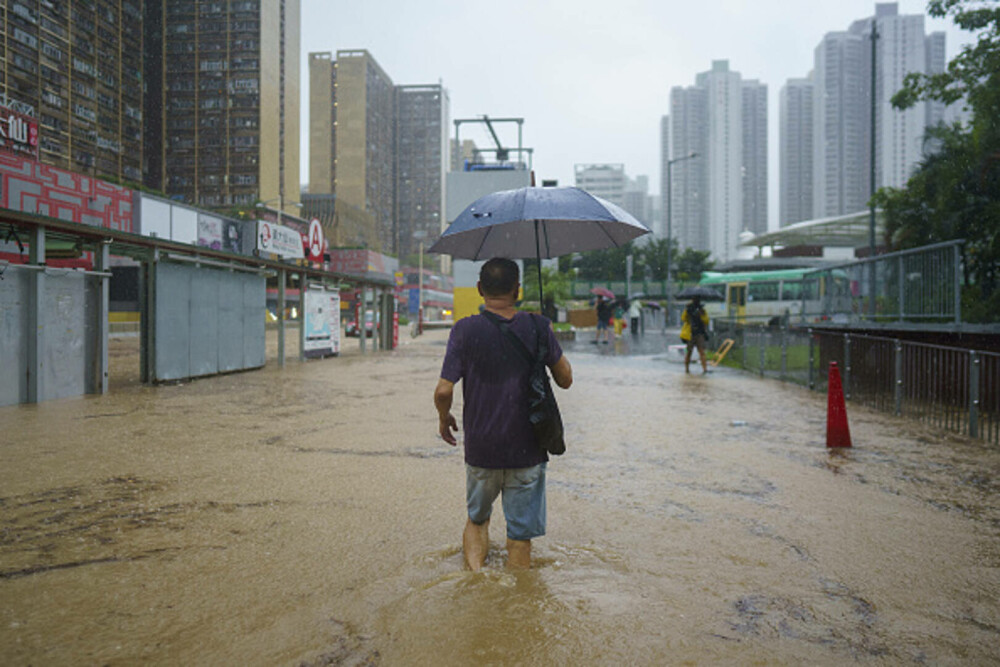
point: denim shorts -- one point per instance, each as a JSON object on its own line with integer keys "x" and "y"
{"x": 523, "y": 492}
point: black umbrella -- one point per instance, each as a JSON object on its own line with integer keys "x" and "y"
{"x": 704, "y": 293}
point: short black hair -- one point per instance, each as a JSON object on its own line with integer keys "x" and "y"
{"x": 499, "y": 276}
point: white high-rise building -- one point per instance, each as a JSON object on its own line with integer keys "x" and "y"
{"x": 723, "y": 191}
{"x": 842, "y": 108}
{"x": 686, "y": 211}
{"x": 840, "y": 125}
{"x": 795, "y": 152}
{"x": 607, "y": 181}
{"x": 754, "y": 156}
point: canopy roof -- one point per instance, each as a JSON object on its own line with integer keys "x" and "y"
{"x": 844, "y": 231}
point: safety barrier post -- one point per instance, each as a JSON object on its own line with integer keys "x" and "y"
{"x": 763, "y": 341}
{"x": 901, "y": 279}
{"x": 847, "y": 366}
{"x": 281, "y": 317}
{"x": 303, "y": 286}
{"x": 956, "y": 282}
{"x": 899, "y": 377}
{"x": 974, "y": 394}
{"x": 784, "y": 350}
{"x": 812, "y": 359}
{"x": 36, "y": 319}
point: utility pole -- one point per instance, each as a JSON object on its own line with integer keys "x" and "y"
{"x": 670, "y": 211}
{"x": 871, "y": 175}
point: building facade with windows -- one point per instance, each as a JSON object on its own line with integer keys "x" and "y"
{"x": 77, "y": 69}
{"x": 722, "y": 192}
{"x": 842, "y": 105}
{"x": 422, "y": 162}
{"x": 224, "y": 90}
{"x": 795, "y": 152}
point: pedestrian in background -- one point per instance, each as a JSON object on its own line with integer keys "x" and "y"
{"x": 694, "y": 332}
{"x": 634, "y": 316}
{"x": 619, "y": 315}
{"x": 502, "y": 455}
{"x": 603, "y": 319}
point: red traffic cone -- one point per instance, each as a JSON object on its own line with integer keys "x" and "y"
{"x": 837, "y": 432}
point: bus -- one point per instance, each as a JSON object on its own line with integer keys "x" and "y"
{"x": 773, "y": 296}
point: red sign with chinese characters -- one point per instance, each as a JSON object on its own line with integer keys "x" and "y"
{"x": 18, "y": 133}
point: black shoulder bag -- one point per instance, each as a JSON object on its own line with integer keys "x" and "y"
{"x": 543, "y": 411}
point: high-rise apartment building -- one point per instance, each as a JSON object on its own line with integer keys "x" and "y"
{"x": 842, "y": 108}
{"x": 634, "y": 199}
{"x": 795, "y": 202}
{"x": 379, "y": 148}
{"x": 721, "y": 192}
{"x": 607, "y": 181}
{"x": 352, "y": 154}
{"x": 421, "y": 164}
{"x": 687, "y": 211}
{"x": 228, "y": 104}
{"x": 754, "y": 114}
{"x": 77, "y": 67}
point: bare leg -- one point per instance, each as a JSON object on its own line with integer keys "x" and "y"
{"x": 687, "y": 360}
{"x": 476, "y": 544}
{"x": 703, "y": 358}
{"x": 519, "y": 554}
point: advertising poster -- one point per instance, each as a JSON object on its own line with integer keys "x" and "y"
{"x": 279, "y": 239}
{"x": 209, "y": 231}
{"x": 322, "y": 322}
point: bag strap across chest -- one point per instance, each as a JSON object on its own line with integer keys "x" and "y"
{"x": 518, "y": 344}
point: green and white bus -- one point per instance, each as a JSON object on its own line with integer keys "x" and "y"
{"x": 766, "y": 296}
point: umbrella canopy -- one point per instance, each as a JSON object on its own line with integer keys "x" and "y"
{"x": 602, "y": 291}
{"x": 705, "y": 293}
{"x": 537, "y": 222}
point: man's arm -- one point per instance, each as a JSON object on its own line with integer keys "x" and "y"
{"x": 562, "y": 372}
{"x": 443, "y": 394}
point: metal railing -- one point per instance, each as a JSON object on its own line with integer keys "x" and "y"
{"x": 919, "y": 285}
{"x": 955, "y": 389}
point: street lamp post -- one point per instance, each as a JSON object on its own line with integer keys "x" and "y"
{"x": 670, "y": 210}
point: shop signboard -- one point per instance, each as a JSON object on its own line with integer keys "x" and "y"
{"x": 18, "y": 133}
{"x": 321, "y": 311}
{"x": 280, "y": 240}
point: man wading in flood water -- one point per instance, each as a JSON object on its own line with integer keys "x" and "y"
{"x": 501, "y": 452}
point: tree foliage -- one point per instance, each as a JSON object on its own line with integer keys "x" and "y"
{"x": 555, "y": 283}
{"x": 955, "y": 191}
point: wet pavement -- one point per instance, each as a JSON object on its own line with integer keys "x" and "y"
{"x": 310, "y": 516}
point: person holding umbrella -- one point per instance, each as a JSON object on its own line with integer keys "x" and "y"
{"x": 502, "y": 455}
{"x": 694, "y": 331}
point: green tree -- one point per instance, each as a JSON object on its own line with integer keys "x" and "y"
{"x": 691, "y": 264}
{"x": 555, "y": 283}
{"x": 955, "y": 191}
{"x": 606, "y": 264}
{"x": 653, "y": 258}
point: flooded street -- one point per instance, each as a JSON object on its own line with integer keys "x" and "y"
{"x": 311, "y": 515}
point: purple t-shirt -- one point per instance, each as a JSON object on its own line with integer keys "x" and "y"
{"x": 494, "y": 388}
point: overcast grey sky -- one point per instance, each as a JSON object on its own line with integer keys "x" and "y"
{"x": 591, "y": 78}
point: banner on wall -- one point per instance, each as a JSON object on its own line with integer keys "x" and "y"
{"x": 321, "y": 311}
{"x": 18, "y": 133}
{"x": 280, "y": 240}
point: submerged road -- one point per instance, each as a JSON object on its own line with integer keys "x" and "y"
{"x": 311, "y": 516}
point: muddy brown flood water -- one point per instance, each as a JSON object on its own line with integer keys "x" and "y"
{"x": 310, "y": 516}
